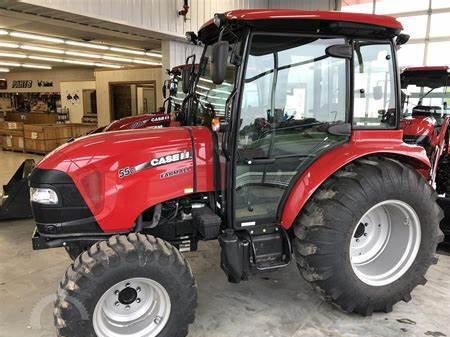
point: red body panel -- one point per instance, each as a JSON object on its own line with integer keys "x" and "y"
{"x": 93, "y": 163}
{"x": 139, "y": 122}
{"x": 419, "y": 127}
{"x": 362, "y": 143}
{"x": 279, "y": 14}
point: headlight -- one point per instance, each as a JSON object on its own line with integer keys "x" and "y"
{"x": 43, "y": 196}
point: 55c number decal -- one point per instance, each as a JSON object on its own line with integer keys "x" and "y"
{"x": 126, "y": 171}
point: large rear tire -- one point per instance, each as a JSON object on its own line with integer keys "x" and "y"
{"x": 133, "y": 285}
{"x": 368, "y": 235}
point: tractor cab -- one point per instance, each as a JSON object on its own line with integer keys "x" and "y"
{"x": 425, "y": 91}
{"x": 284, "y": 94}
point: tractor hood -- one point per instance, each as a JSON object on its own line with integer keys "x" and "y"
{"x": 418, "y": 126}
{"x": 120, "y": 174}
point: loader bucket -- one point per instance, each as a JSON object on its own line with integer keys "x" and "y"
{"x": 15, "y": 202}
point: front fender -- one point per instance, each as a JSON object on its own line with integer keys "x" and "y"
{"x": 362, "y": 143}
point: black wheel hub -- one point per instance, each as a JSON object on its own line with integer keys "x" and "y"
{"x": 128, "y": 296}
{"x": 360, "y": 231}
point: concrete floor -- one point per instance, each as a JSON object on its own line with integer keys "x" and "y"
{"x": 278, "y": 304}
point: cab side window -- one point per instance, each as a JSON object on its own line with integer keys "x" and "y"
{"x": 374, "y": 86}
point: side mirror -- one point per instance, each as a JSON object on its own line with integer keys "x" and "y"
{"x": 401, "y": 39}
{"x": 219, "y": 61}
{"x": 378, "y": 92}
{"x": 185, "y": 78}
{"x": 344, "y": 51}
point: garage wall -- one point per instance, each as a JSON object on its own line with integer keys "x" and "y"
{"x": 104, "y": 78}
{"x": 76, "y": 107}
{"x": 161, "y": 15}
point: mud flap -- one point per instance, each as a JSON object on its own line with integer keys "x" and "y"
{"x": 15, "y": 202}
{"x": 444, "y": 203}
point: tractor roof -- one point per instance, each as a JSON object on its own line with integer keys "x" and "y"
{"x": 426, "y": 69}
{"x": 431, "y": 76}
{"x": 299, "y": 20}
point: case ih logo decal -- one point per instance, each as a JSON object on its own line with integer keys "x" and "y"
{"x": 155, "y": 162}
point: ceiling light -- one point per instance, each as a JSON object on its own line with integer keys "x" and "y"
{"x": 153, "y": 54}
{"x": 3, "y": 32}
{"x": 147, "y": 62}
{"x": 14, "y": 55}
{"x": 80, "y": 54}
{"x": 87, "y": 45}
{"x": 4, "y": 70}
{"x": 42, "y": 49}
{"x": 118, "y": 59}
{"x": 49, "y": 59}
{"x": 36, "y": 66}
{"x": 107, "y": 65}
{"x": 10, "y": 64}
{"x": 128, "y": 51}
{"x": 79, "y": 62}
{"x": 9, "y": 45}
{"x": 36, "y": 37}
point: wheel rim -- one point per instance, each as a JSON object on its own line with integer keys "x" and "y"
{"x": 385, "y": 242}
{"x": 137, "y": 307}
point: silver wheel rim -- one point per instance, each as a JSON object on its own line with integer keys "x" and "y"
{"x": 385, "y": 242}
{"x": 137, "y": 307}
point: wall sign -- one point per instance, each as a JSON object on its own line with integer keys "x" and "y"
{"x": 22, "y": 84}
{"x": 3, "y": 84}
{"x": 45, "y": 84}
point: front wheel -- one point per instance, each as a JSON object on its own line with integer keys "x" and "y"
{"x": 132, "y": 285}
{"x": 367, "y": 237}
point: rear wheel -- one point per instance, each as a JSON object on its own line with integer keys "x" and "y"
{"x": 134, "y": 286}
{"x": 368, "y": 235}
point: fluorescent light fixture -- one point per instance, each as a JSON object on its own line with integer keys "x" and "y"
{"x": 42, "y": 49}
{"x": 107, "y": 65}
{"x": 80, "y": 54}
{"x": 3, "y": 32}
{"x": 153, "y": 54}
{"x": 128, "y": 51}
{"x": 118, "y": 59}
{"x": 4, "y": 70}
{"x": 147, "y": 62}
{"x": 36, "y": 66}
{"x": 83, "y": 63}
{"x": 9, "y": 64}
{"x": 13, "y": 55}
{"x": 48, "y": 59}
{"x": 36, "y": 37}
{"x": 9, "y": 45}
{"x": 86, "y": 45}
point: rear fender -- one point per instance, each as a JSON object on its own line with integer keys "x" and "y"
{"x": 362, "y": 143}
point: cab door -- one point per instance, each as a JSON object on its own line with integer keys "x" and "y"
{"x": 294, "y": 95}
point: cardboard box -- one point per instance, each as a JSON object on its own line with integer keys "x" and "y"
{"x": 40, "y": 145}
{"x": 47, "y": 131}
{"x": 79, "y": 130}
{"x": 13, "y": 142}
{"x": 32, "y": 117}
{"x": 12, "y": 126}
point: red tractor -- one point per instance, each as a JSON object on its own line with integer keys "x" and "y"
{"x": 426, "y": 123}
{"x": 168, "y": 114}
{"x": 292, "y": 151}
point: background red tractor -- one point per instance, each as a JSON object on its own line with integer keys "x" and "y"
{"x": 425, "y": 95}
{"x": 305, "y": 163}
